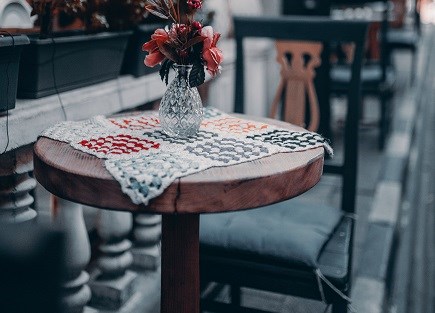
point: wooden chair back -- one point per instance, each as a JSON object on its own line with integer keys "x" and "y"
{"x": 298, "y": 61}
{"x": 297, "y": 76}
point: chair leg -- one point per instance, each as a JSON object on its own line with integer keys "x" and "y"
{"x": 413, "y": 66}
{"x": 383, "y": 122}
{"x": 339, "y": 306}
{"x": 235, "y": 295}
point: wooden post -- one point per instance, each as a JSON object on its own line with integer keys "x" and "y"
{"x": 16, "y": 185}
{"x": 146, "y": 234}
{"x": 180, "y": 264}
{"x": 114, "y": 284}
{"x": 76, "y": 292}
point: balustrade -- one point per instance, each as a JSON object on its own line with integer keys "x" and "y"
{"x": 16, "y": 184}
{"x": 114, "y": 284}
{"x": 146, "y": 233}
{"x": 69, "y": 217}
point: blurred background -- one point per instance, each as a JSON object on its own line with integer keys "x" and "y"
{"x": 54, "y": 253}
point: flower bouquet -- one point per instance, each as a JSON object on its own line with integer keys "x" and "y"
{"x": 189, "y": 48}
{"x": 184, "y": 42}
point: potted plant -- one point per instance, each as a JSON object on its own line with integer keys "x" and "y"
{"x": 132, "y": 15}
{"x": 10, "y": 51}
{"x": 56, "y": 62}
{"x": 189, "y": 48}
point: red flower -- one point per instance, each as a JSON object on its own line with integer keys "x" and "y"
{"x": 158, "y": 39}
{"x": 154, "y": 58}
{"x": 150, "y": 46}
{"x": 207, "y": 33}
{"x": 211, "y": 55}
{"x": 160, "y": 36}
{"x": 184, "y": 41}
{"x": 194, "y": 4}
{"x": 196, "y": 25}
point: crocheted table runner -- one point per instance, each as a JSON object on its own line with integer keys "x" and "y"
{"x": 145, "y": 161}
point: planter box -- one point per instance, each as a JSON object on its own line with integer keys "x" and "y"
{"x": 10, "y": 51}
{"x": 134, "y": 56}
{"x": 59, "y": 64}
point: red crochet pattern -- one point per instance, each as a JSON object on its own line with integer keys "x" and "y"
{"x": 119, "y": 144}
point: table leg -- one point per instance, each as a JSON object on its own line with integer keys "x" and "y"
{"x": 180, "y": 264}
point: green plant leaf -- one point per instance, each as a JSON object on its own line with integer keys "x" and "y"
{"x": 169, "y": 52}
{"x": 197, "y": 74}
{"x": 167, "y": 72}
{"x": 164, "y": 70}
{"x": 194, "y": 41}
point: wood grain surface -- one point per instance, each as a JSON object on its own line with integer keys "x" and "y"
{"x": 180, "y": 264}
{"x": 80, "y": 177}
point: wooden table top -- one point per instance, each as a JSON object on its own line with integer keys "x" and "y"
{"x": 80, "y": 177}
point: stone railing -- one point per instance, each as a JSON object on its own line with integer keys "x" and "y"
{"x": 111, "y": 282}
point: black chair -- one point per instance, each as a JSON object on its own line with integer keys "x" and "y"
{"x": 306, "y": 7}
{"x": 377, "y": 78}
{"x": 290, "y": 247}
{"x": 322, "y": 81}
{"x": 406, "y": 38}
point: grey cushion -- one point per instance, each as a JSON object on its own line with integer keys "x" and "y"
{"x": 371, "y": 76}
{"x": 403, "y": 38}
{"x": 290, "y": 232}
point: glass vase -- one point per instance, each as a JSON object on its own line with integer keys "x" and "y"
{"x": 180, "y": 109}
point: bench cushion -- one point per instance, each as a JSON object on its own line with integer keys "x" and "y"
{"x": 291, "y": 232}
{"x": 371, "y": 76}
{"x": 403, "y": 39}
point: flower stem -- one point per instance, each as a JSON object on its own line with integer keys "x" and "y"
{"x": 173, "y": 14}
{"x": 178, "y": 9}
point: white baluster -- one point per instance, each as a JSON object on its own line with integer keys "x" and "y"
{"x": 16, "y": 185}
{"x": 76, "y": 293}
{"x": 114, "y": 284}
{"x": 147, "y": 233}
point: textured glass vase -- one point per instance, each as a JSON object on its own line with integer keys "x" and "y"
{"x": 180, "y": 110}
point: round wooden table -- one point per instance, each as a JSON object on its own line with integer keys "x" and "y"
{"x": 80, "y": 177}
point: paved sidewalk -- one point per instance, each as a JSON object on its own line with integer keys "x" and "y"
{"x": 414, "y": 276}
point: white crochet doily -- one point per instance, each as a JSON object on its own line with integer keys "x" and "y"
{"x": 145, "y": 161}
